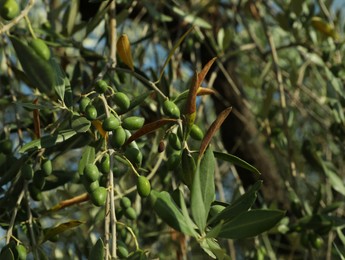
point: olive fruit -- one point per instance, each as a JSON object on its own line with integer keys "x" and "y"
{"x": 170, "y": 109}
{"x": 99, "y": 196}
{"x": 122, "y": 250}
{"x": 35, "y": 193}
{"x": 6, "y": 146}
{"x": 110, "y": 123}
{"x": 91, "y": 172}
{"x": 125, "y": 202}
{"x": 27, "y": 171}
{"x": 104, "y": 166}
{"x": 133, "y": 122}
{"x": 121, "y": 100}
{"x": 196, "y": 133}
{"x": 20, "y": 252}
{"x": 188, "y": 168}
{"x": 91, "y": 112}
{"x": 9, "y": 9}
{"x": 134, "y": 155}
{"x": 40, "y": 48}
{"x": 118, "y": 138}
{"x": 175, "y": 142}
{"x": 101, "y": 86}
{"x": 84, "y": 102}
{"x": 174, "y": 161}
{"x": 161, "y": 146}
{"x": 143, "y": 186}
{"x": 130, "y": 213}
{"x": 216, "y": 209}
{"x": 46, "y": 167}
{"x": 92, "y": 186}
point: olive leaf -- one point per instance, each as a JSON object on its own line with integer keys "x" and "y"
{"x": 51, "y": 232}
{"x": 97, "y": 251}
{"x": 123, "y": 47}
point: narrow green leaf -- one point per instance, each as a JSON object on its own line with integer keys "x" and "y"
{"x": 39, "y": 71}
{"x": 80, "y": 124}
{"x": 240, "y": 205}
{"x": 97, "y": 251}
{"x": 251, "y": 223}
{"x": 192, "y": 18}
{"x": 197, "y": 204}
{"x": 185, "y": 213}
{"x": 32, "y": 106}
{"x": 87, "y": 157}
{"x": 238, "y": 162}
{"x": 214, "y": 232}
{"x": 335, "y": 181}
{"x": 48, "y": 141}
{"x": 213, "y": 249}
{"x": 60, "y": 76}
{"x": 167, "y": 210}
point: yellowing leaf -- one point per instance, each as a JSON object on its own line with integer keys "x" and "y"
{"x": 322, "y": 26}
{"x": 98, "y": 125}
{"x": 124, "y": 50}
{"x": 51, "y": 232}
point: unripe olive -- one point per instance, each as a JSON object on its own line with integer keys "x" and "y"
{"x": 104, "y": 166}
{"x": 20, "y": 252}
{"x": 6, "y": 146}
{"x": 46, "y": 167}
{"x": 9, "y": 9}
{"x": 133, "y": 122}
{"x": 216, "y": 209}
{"x": 41, "y": 48}
{"x": 125, "y": 202}
{"x": 39, "y": 180}
{"x": 143, "y": 186}
{"x": 122, "y": 101}
{"x": 122, "y": 250}
{"x": 35, "y": 193}
{"x": 134, "y": 156}
{"x": 101, "y": 86}
{"x": 175, "y": 142}
{"x": 27, "y": 171}
{"x": 91, "y": 172}
{"x": 84, "y": 102}
{"x": 188, "y": 168}
{"x": 130, "y": 213}
{"x": 196, "y": 133}
{"x": 92, "y": 186}
{"x": 110, "y": 123}
{"x": 91, "y": 112}
{"x": 118, "y": 138}
{"x": 170, "y": 109}
{"x": 99, "y": 196}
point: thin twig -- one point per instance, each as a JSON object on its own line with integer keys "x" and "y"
{"x": 13, "y": 217}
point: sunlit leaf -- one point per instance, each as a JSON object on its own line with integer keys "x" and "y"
{"x": 80, "y": 124}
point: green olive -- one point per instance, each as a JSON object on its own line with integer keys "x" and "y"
{"x": 35, "y": 193}
{"x": 110, "y": 123}
{"x": 9, "y": 9}
{"x": 40, "y": 48}
{"x": 175, "y": 142}
{"x": 196, "y": 133}
{"x": 125, "y": 202}
{"x": 6, "y": 146}
{"x": 122, "y": 250}
{"x": 133, "y": 122}
{"x": 122, "y": 101}
{"x": 104, "y": 166}
{"x": 170, "y": 109}
{"x": 174, "y": 161}
{"x": 99, "y": 196}
{"x": 118, "y": 138}
{"x": 91, "y": 172}
{"x": 84, "y": 102}
{"x": 27, "y": 171}
{"x": 101, "y": 86}
{"x": 130, "y": 213}
{"x": 20, "y": 252}
{"x": 143, "y": 186}
{"x": 46, "y": 167}
{"x": 93, "y": 186}
{"x": 91, "y": 112}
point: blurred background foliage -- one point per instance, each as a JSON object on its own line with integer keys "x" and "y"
{"x": 280, "y": 66}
